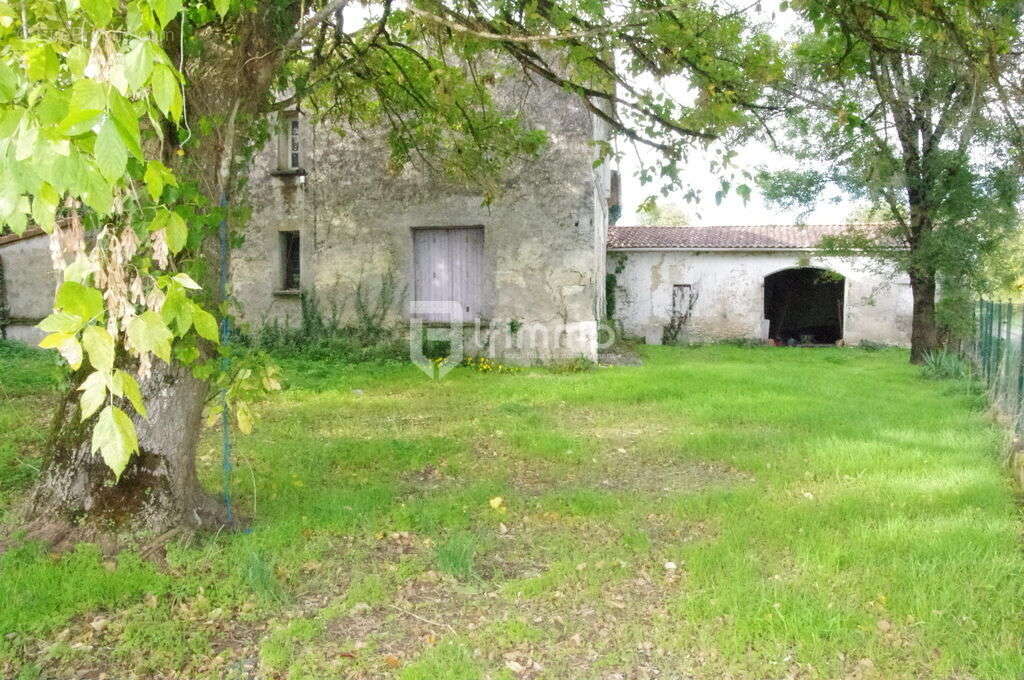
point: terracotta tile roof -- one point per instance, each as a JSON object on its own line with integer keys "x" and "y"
{"x": 767, "y": 237}
{"x": 29, "y": 233}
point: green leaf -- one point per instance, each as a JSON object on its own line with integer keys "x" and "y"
{"x": 177, "y": 310}
{"x": 138, "y": 65}
{"x": 154, "y": 179}
{"x": 130, "y": 388}
{"x": 75, "y": 298}
{"x": 54, "y": 340}
{"x": 99, "y": 11}
{"x": 9, "y": 83}
{"x": 68, "y": 346}
{"x": 149, "y": 333}
{"x": 41, "y": 63}
{"x": 205, "y": 323}
{"x": 44, "y": 207}
{"x": 165, "y": 10}
{"x": 126, "y": 120}
{"x": 110, "y": 151}
{"x": 88, "y": 95}
{"x": 222, "y": 7}
{"x": 94, "y": 393}
{"x": 79, "y": 121}
{"x": 114, "y": 438}
{"x": 243, "y": 416}
{"x": 96, "y": 192}
{"x": 99, "y": 345}
{"x": 186, "y": 281}
{"x": 61, "y": 322}
{"x": 165, "y": 90}
{"x": 177, "y": 232}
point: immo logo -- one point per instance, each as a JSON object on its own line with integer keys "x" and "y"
{"x": 435, "y": 324}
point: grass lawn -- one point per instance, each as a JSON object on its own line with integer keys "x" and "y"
{"x": 716, "y": 513}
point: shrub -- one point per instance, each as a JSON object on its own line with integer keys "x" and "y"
{"x": 945, "y": 365}
{"x": 321, "y": 335}
{"x": 577, "y": 365}
{"x": 871, "y": 346}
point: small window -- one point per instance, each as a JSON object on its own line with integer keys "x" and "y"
{"x": 289, "y": 158}
{"x": 291, "y": 273}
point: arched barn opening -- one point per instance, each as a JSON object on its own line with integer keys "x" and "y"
{"x": 804, "y": 306}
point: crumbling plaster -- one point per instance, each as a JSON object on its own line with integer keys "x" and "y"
{"x": 543, "y": 236}
{"x": 730, "y": 285}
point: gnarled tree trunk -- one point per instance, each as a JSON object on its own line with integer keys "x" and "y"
{"x": 158, "y": 491}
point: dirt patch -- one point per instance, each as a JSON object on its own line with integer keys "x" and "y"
{"x": 663, "y": 477}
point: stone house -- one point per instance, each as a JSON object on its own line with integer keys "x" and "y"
{"x": 523, "y": 276}
{"x": 755, "y": 282}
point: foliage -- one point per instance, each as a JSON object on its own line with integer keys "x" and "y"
{"x": 488, "y": 365}
{"x": 322, "y": 335}
{"x": 664, "y": 215}
{"x": 945, "y": 365}
{"x": 576, "y": 365}
{"x": 611, "y": 283}
{"x": 754, "y": 470}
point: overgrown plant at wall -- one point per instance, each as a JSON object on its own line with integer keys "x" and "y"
{"x": 373, "y": 308}
{"x": 611, "y": 282}
{"x": 680, "y": 318}
{"x": 321, "y": 333}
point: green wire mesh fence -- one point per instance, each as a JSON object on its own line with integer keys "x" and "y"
{"x": 997, "y": 350}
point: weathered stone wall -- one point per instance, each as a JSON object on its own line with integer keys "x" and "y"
{"x": 29, "y": 283}
{"x": 543, "y": 237}
{"x": 730, "y": 285}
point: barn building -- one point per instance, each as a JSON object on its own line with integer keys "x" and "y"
{"x": 769, "y": 283}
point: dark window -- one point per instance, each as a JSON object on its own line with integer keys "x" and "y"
{"x": 293, "y": 147}
{"x": 290, "y": 261}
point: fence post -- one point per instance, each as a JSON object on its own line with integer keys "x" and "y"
{"x": 988, "y": 339}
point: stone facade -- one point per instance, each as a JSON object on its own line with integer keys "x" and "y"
{"x": 730, "y": 288}
{"x": 543, "y": 259}
{"x": 29, "y": 282}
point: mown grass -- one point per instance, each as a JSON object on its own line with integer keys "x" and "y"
{"x": 718, "y": 512}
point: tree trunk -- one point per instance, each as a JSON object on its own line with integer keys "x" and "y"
{"x": 924, "y": 333}
{"x": 158, "y": 491}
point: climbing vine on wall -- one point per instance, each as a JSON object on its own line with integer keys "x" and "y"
{"x": 611, "y": 282}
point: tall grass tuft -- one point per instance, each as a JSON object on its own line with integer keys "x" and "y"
{"x": 945, "y": 365}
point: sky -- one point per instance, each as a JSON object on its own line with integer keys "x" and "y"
{"x": 732, "y": 210}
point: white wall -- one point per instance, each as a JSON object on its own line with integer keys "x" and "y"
{"x": 731, "y": 289}
{"x": 30, "y": 282}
